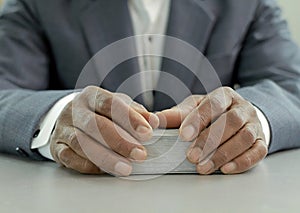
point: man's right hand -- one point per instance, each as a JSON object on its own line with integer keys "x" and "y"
{"x": 100, "y": 131}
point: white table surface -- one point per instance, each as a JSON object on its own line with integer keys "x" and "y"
{"x": 273, "y": 186}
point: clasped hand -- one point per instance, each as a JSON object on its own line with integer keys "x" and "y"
{"x": 100, "y": 131}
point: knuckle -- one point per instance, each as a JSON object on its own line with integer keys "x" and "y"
{"x": 248, "y": 106}
{"x": 86, "y": 93}
{"x": 202, "y": 120}
{"x": 89, "y": 89}
{"x": 119, "y": 146}
{"x": 222, "y": 156}
{"x": 233, "y": 114}
{"x": 252, "y": 112}
{"x": 72, "y": 138}
{"x": 89, "y": 122}
{"x": 192, "y": 100}
{"x": 236, "y": 118}
{"x": 66, "y": 115}
{"x": 104, "y": 102}
{"x": 86, "y": 167}
{"x": 246, "y": 162}
{"x": 230, "y": 92}
{"x": 225, "y": 92}
{"x": 137, "y": 106}
{"x": 125, "y": 98}
{"x": 73, "y": 141}
{"x": 67, "y": 109}
{"x": 64, "y": 156}
{"x": 262, "y": 151}
{"x": 96, "y": 98}
{"x": 61, "y": 133}
{"x": 248, "y": 134}
{"x": 54, "y": 151}
{"x": 134, "y": 120}
{"x": 235, "y": 97}
{"x": 228, "y": 89}
{"x": 217, "y": 104}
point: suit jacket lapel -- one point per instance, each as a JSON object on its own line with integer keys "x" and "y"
{"x": 103, "y": 23}
{"x": 191, "y": 21}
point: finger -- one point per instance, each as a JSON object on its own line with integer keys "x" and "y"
{"x": 71, "y": 160}
{"x": 152, "y": 118}
{"x": 110, "y": 135}
{"x": 211, "y": 107}
{"x": 237, "y": 145}
{"x": 118, "y": 111}
{"x": 172, "y": 118}
{"x": 247, "y": 160}
{"x": 67, "y": 137}
{"x": 104, "y": 158}
{"x": 226, "y": 126}
{"x": 55, "y": 149}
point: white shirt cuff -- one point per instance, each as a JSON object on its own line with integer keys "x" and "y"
{"x": 265, "y": 125}
{"x": 42, "y": 141}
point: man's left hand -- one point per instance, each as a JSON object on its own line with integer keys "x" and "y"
{"x": 226, "y": 132}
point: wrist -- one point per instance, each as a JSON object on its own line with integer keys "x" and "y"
{"x": 42, "y": 138}
{"x": 265, "y": 125}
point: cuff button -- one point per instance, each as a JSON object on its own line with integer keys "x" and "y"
{"x": 21, "y": 152}
{"x": 36, "y": 134}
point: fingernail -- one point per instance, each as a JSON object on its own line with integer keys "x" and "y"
{"x": 142, "y": 129}
{"x": 138, "y": 154}
{"x": 206, "y": 168}
{"x": 123, "y": 169}
{"x": 194, "y": 154}
{"x": 229, "y": 167}
{"x": 188, "y": 133}
{"x": 154, "y": 120}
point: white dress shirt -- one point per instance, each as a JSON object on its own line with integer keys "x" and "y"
{"x": 149, "y": 17}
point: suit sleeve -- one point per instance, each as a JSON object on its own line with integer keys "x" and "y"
{"x": 24, "y": 75}
{"x": 269, "y": 75}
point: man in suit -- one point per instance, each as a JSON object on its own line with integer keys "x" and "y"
{"x": 44, "y": 46}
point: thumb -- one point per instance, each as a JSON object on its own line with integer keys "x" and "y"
{"x": 171, "y": 118}
{"x": 151, "y": 118}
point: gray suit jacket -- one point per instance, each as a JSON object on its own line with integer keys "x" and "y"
{"x": 45, "y": 44}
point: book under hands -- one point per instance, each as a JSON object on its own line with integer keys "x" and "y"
{"x": 166, "y": 154}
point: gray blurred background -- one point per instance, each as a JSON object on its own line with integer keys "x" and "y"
{"x": 291, "y": 12}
